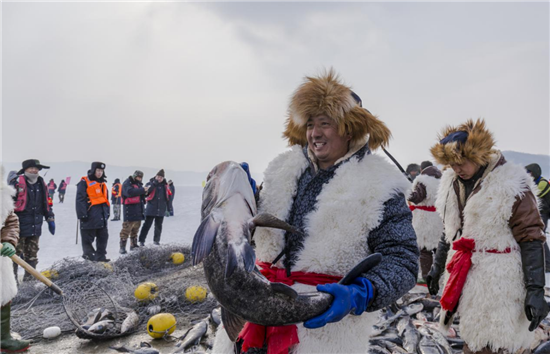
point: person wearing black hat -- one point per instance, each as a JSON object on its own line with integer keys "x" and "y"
{"x": 133, "y": 198}
{"x": 413, "y": 170}
{"x": 116, "y": 199}
{"x": 93, "y": 210}
{"x": 61, "y": 191}
{"x": 32, "y": 207}
{"x": 158, "y": 202}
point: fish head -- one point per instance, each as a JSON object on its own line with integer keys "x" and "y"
{"x": 224, "y": 181}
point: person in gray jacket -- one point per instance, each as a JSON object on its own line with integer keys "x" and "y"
{"x": 158, "y": 202}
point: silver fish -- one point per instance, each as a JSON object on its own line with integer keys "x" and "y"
{"x": 376, "y": 349}
{"x": 222, "y": 243}
{"x": 410, "y": 338}
{"x": 429, "y": 346}
{"x": 144, "y": 349}
{"x": 106, "y": 315}
{"x": 130, "y": 322}
{"x": 92, "y": 317}
{"x": 192, "y": 336}
{"x": 101, "y": 327}
{"x": 413, "y": 308}
{"x": 216, "y": 316}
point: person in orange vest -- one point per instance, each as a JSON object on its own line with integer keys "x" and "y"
{"x": 93, "y": 211}
{"x": 116, "y": 199}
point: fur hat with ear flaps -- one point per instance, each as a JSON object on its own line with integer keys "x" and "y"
{"x": 469, "y": 141}
{"x": 327, "y": 95}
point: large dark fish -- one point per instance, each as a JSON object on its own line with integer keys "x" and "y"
{"x": 222, "y": 243}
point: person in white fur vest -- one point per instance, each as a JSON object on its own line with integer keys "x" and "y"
{"x": 9, "y": 236}
{"x": 494, "y": 276}
{"x": 349, "y": 204}
{"x": 426, "y": 221}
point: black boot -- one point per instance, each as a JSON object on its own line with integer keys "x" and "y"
{"x": 7, "y": 343}
{"x": 133, "y": 243}
{"x": 438, "y": 266}
{"x": 532, "y": 259}
{"x": 28, "y": 276}
{"x": 123, "y": 246}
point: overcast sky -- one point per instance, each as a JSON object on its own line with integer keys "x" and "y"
{"x": 187, "y": 85}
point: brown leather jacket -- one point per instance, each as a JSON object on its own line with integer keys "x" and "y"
{"x": 10, "y": 230}
{"x": 525, "y": 222}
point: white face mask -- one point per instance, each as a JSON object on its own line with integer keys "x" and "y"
{"x": 32, "y": 177}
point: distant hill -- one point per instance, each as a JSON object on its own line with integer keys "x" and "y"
{"x": 526, "y": 159}
{"x": 78, "y": 169}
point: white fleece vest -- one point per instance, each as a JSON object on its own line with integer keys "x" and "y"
{"x": 491, "y": 306}
{"x": 7, "y": 281}
{"x": 427, "y": 224}
{"x": 348, "y": 208}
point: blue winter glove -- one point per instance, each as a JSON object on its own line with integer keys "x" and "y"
{"x": 352, "y": 298}
{"x": 251, "y": 180}
{"x": 51, "y": 226}
{"x": 7, "y": 249}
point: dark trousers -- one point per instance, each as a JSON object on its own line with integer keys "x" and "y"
{"x": 147, "y": 225}
{"x": 101, "y": 236}
{"x": 426, "y": 260}
{"x": 546, "y": 249}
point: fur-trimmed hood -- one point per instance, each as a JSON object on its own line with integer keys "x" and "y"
{"x": 6, "y": 197}
{"x": 477, "y": 147}
{"x": 326, "y": 95}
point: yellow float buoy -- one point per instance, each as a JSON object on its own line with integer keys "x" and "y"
{"x": 195, "y": 293}
{"x": 177, "y": 258}
{"x": 146, "y": 291}
{"x": 160, "y": 325}
{"x": 50, "y": 273}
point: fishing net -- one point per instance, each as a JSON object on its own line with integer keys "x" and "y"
{"x": 88, "y": 286}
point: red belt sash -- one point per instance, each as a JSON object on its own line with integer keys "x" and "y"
{"x": 279, "y": 339}
{"x": 422, "y": 207}
{"x": 458, "y": 269}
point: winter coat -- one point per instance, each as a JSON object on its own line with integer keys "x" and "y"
{"x": 36, "y": 210}
{"x": 500, "y": 212}
{"x": 8, "y": 233}
{"x": 349, "y": 211}
{"x": 173, "y": 191}
{"x": 160, "y": 203}
{"x": 52, "y": 187}
{"x": 427, "y": 224}
{"x": 114, "y": 192}
{"x": 62, "y": 188}
{"x": 91, "y": 216}
{"x": 133, "y": 212}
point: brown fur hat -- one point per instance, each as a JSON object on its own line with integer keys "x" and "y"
{"x": 327, "y": 95}
{"x": 477, "y": 148}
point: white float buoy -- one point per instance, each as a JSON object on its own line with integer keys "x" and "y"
{"x": 52, "y": 332}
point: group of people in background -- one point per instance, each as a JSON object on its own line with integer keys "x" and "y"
{"x": 34, "y": 204}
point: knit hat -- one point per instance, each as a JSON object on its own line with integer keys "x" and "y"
{"x": 160, "y": 173}
{"x": 116, "y": 180}
{"x": 425, "y": 164}
{"x": 137, "y": 173}
{"x": 534, "y": 169}
{"x": 469, "y": 141}
{"x": 412, "y": 167}
{"x": 326, "y": 95}
{"x": 31, "y": 163}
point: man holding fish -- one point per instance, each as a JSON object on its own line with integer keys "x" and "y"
{"x": 345, "y": 204}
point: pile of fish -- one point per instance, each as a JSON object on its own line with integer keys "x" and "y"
{"x": 411, "y": 325}
{"x": 101, "y": 321}
{"x": 197, "y": 339}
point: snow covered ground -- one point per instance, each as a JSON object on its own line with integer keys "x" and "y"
{"x": 177, "y": 229}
